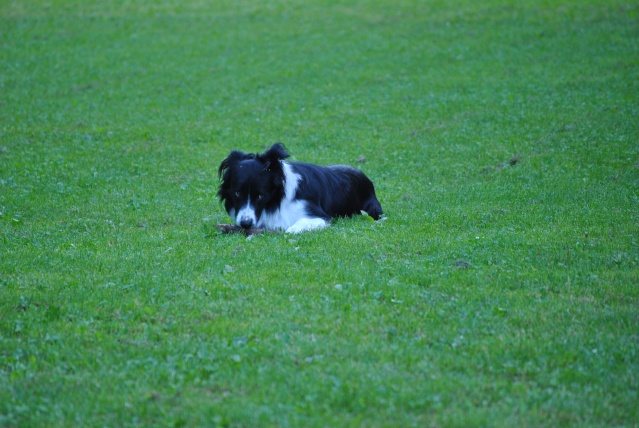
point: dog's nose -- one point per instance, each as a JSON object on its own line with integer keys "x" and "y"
{"x": 246, "y": 223}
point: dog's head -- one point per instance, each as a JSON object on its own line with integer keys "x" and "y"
{"x": 251, "y": 183}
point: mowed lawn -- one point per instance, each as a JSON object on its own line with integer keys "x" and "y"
{"x": 500, "y": 289}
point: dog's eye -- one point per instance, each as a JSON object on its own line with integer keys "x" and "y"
{"x": 259, "y": 197}
{"x": 237, "y": 194}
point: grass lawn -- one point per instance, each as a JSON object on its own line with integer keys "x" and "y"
{"x": 501, "y": 289}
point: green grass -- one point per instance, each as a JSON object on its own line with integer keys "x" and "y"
{"x": 492, "y": 295}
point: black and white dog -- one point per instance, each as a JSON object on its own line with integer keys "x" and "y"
{"x": 265, "y": 191}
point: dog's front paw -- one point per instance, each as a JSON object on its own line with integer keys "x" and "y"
{"x": 305, "y": 224}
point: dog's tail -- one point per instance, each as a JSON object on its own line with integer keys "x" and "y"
{"x": 372, "y": 207}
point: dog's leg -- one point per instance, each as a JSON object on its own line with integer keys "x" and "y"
{"x": 305, "y": 224}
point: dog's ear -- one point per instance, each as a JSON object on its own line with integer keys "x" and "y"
{"x": 231, "y": 159}
{"x": 272, "y": 156}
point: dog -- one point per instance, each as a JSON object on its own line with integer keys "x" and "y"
{"x": 266, "y": 191}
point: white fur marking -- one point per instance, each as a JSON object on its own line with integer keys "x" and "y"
{"x": 305, "y": 224}
{"x": 291, "y": 180}
{"x": 246, "y": 212}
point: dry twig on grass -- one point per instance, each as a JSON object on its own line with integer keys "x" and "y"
{"x": 232, "y": 228}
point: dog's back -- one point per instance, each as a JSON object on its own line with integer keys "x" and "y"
{"x": 339, "y": 190}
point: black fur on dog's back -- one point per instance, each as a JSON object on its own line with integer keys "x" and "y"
{"x": 339, "y": 190}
